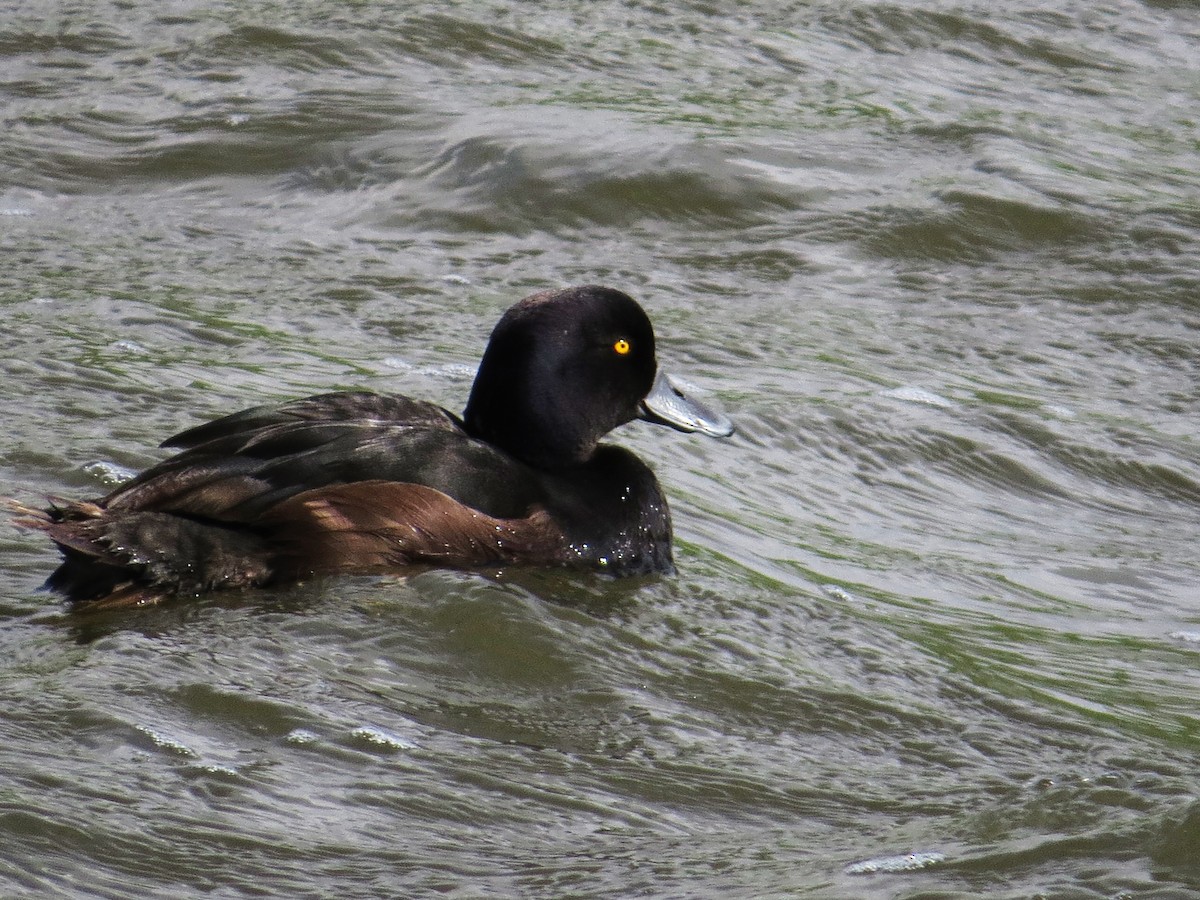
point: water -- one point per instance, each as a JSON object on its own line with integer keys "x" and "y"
{"x": 935, "y": 631}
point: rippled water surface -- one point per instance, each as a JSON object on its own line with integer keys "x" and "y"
{"x": 936, "y": 625}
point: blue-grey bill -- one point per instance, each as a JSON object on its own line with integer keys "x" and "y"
{"x": 668, "y": 404}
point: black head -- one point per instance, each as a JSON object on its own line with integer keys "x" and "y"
{"x": 562, "y": 369}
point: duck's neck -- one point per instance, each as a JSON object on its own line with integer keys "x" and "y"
{"x": 511, "y": 407}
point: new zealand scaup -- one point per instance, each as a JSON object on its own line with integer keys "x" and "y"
{"x": 358, "y": 482}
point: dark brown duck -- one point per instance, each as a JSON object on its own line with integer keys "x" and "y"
{"x": 362, "y": 483}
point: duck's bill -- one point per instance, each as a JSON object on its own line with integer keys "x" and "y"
{"x": 668, "y": 404}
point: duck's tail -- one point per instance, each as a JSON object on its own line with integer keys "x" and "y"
{"x": 121, "y": 558}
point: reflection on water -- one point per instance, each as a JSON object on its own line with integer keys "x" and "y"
{"x": 931, "y": 629}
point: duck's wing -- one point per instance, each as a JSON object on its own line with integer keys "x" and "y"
{"x": 236, "y": 468}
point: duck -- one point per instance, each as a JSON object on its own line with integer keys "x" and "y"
{"x": 356, "y": 482}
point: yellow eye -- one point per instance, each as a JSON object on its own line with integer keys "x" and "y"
{"x": 622, "y": 346}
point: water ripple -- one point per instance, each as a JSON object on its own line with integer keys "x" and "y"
{"x": 936, "y": 599}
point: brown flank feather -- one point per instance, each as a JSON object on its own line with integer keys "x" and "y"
{"x": 379, "y": 526}
{"x": 117, "y": 557}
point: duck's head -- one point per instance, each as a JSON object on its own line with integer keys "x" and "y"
{"x": 565, "y": 367}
